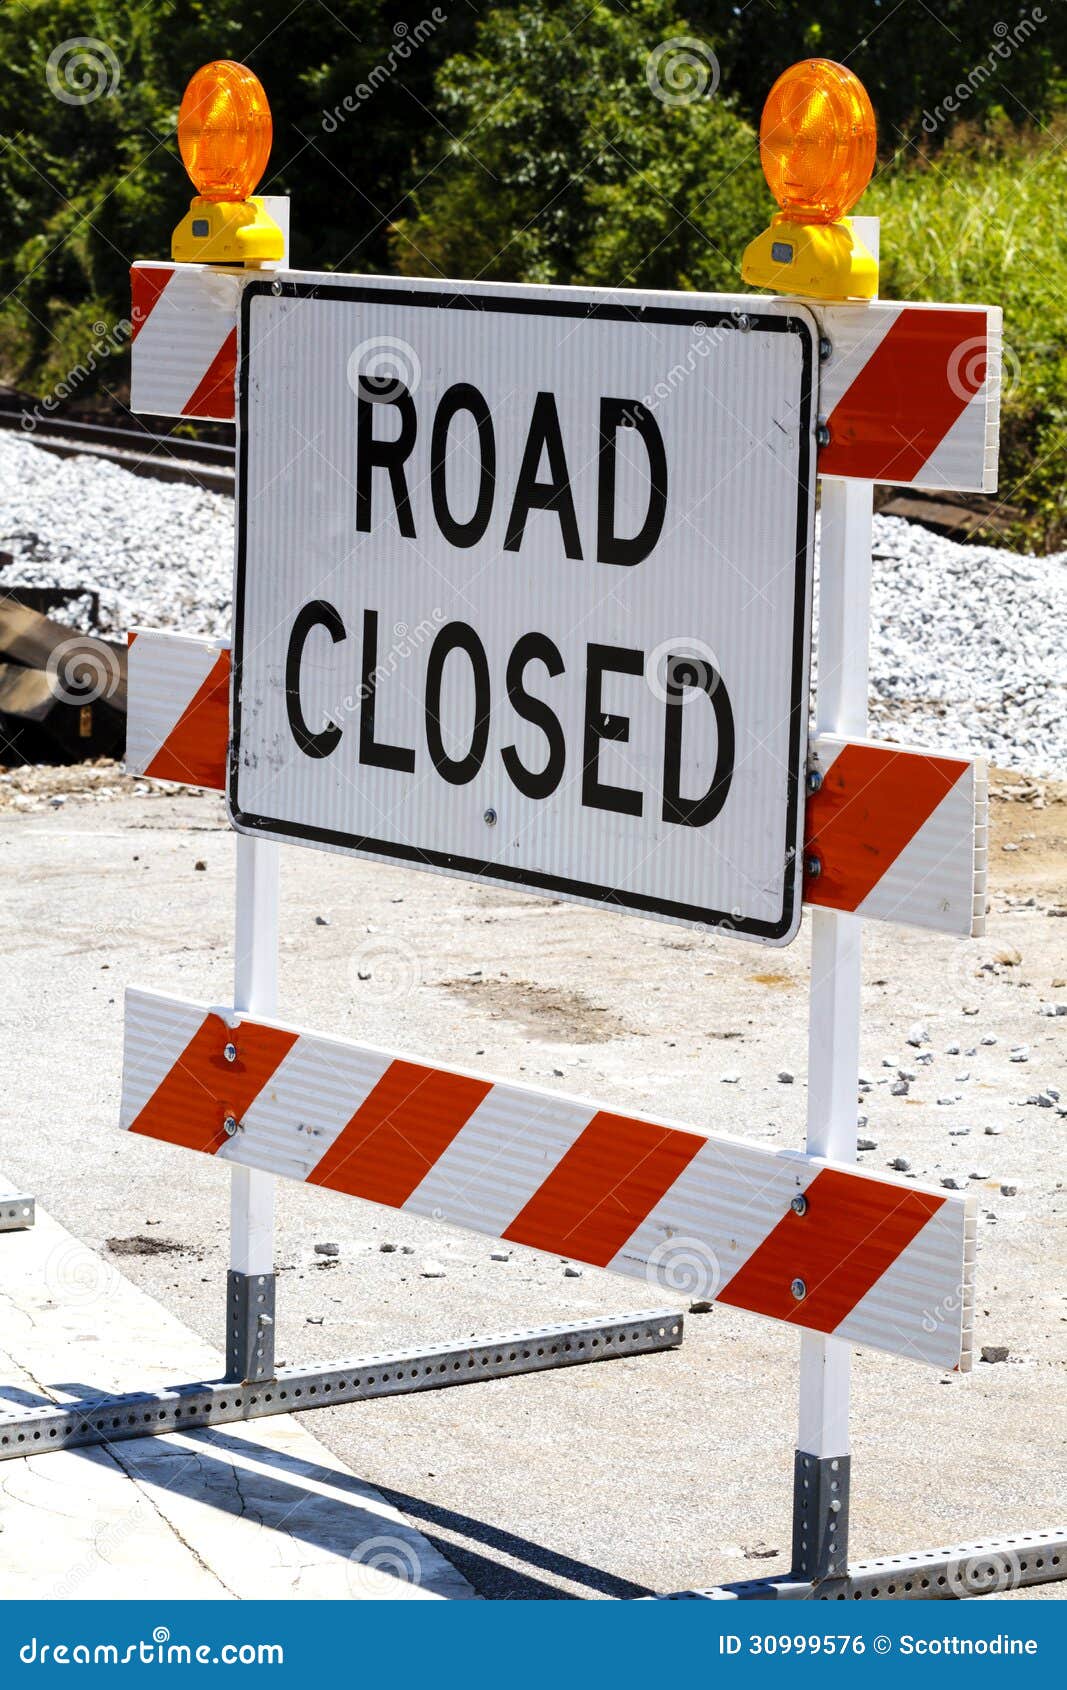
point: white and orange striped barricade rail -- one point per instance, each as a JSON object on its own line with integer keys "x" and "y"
{"x": 908, "y": 393}
{"x": 184, "y": 351}
{"x": 879, "y": 1261}
{"x": 894, "y": 834}
{"x": 178, "y": 727}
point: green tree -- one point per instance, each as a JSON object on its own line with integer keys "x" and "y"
{"x": 588, "y": 144}
{"x": 90, "y": 176}
{"x": 909, "y": 54}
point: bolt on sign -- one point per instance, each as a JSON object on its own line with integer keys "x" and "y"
{"x": 523, "y": 589}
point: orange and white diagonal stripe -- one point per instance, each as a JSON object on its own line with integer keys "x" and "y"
{"x": 178, "y": 721}
{"x": 183, "y": 359}
{"x": 883, "y": 1262}
{"x": 898, "y": 835}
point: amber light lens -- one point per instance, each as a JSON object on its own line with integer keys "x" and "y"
{"x": 817, "y": 141}
{"x": 224, "y": 131}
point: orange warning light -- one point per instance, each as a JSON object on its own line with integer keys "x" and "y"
{"x": 225, "y": 131}
{"x": 817, "y": 141}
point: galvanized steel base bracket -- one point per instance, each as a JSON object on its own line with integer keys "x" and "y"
{"x": 17, "y": 1213}
{"x": 72, "y": 1425}
{"x": 820, "y": 1516}
{"x": 250, "y": 1325}
{"x": 987, "y": 1568}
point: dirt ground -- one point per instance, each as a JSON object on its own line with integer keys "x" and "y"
{"x": 651, "y": 1473}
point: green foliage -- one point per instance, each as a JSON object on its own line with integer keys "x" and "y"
{"x": 567, "y": 167}
{"x": 909, "y": 54}
{"x": 521, "y": 139}
{"x": 88, "y": 186}
{"x": 73, "y": 176}
{"x": 979, "y": 223}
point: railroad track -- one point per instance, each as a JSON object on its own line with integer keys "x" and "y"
{"x": 164, "y": 457}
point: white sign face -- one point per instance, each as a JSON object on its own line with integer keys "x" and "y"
{"x": 523, "y": 588}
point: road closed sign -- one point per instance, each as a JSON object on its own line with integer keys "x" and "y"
{"x": 523, "y": 588}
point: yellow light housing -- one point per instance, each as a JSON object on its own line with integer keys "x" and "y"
{"x": 224, "y": 134}
{"x": 817, "y": 145}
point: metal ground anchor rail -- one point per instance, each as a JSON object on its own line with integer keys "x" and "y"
{"x": 990, "y": 1567}
{"x": 17, "y": 1212}
{"x": 217, "y": 1403}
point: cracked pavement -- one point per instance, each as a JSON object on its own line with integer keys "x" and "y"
{"x": 255, "y": 1510}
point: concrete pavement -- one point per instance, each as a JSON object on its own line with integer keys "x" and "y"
{"x": 260, "y": 1510}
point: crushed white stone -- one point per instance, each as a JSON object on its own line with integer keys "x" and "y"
{"x": 967, "y": 652}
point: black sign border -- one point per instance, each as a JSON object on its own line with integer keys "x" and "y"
{"x": 534, "y": 304}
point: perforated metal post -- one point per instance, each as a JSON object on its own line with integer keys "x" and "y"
{"x": 820, "y": 1517}
{"x": 145, "y": 1414}
{"x": 250, "y": 1326}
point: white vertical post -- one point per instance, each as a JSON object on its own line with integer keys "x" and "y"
{"x": 255, "y": 991}
{"x": 834, "y": 1026}
{"x": 255, "y": 976}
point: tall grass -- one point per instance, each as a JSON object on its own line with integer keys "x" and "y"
{"x": 985, "y": 220}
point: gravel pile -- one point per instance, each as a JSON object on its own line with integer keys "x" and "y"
{"x": 968, "y": 648}
{"x": 159, "y": 554}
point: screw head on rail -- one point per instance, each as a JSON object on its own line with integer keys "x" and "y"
{"x": 826, "y": 346}
{"x": 799, "y": 1290}
{"x": 799, "y": 1206}
{"x": 822, "y": 434}
{"x": 814, "y": 781}
{"x": 276, "y": 289}
{"x": 230, "y": 1053}
{"x": 812, "y": 867}
{"x": 230, "y": 1126}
